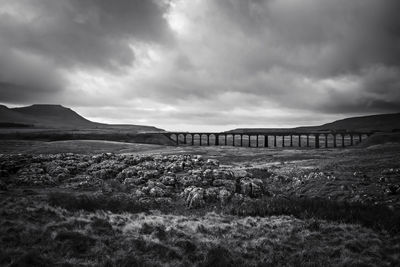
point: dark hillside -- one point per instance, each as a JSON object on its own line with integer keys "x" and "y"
{"x": 55, "y": 115}
{"x": 382, "y": 122}
{"x": 59, "y": 117}
{"x": 9, "y": 116}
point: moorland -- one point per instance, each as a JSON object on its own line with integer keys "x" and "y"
{"x": 107, "y": 203}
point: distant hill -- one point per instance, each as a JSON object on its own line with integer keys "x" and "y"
{"x": 382, "y": 122}
{"x": 53, "y": 115}
{"x": 10, "y": 117}
{"x": 57, "y": 116}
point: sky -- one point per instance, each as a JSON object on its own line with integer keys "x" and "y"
{"x": 203, "y": 64}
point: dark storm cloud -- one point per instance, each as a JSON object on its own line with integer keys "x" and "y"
{"x": 216, "y": 62}
{"x": 298, "y": 53}
{"x": 93, "y": 32}
{"x": 377, "y": 91}
{"x": 323, "y": 38}
{"x": 25, "y": 78}
{"x": 73, "y": 34}
{"x": 285, "y": 51}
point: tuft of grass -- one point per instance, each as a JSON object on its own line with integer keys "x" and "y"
{"x": 155, "y": 239}
{"x": 117, "y": 203}
{"x": 378, "y": 217}
{"x": 101, "y": 226}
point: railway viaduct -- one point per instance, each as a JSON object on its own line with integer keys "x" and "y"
{"x": 271, "y": 139}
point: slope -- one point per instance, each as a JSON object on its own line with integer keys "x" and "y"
{"x": 60, "y": 117}
{"x": 380, "y": 122}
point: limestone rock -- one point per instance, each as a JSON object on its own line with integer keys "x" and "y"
{"x": 251, "y": 187}
{"x": 213, "y": 162}
{"x": 224, "y": 196}
{"x": 239, "y": 173}
{"x": 211, "y": 194}
{"x": 151, "y": 174}
{"x": 157, "y": 192}
{"x": 194, "y": 197}
{"x": 208, "y": 174}
{"x": 54, "y": 169}
{"x": 228, "y": 184}
{"x": 127, "y": 173}
{"x": 222, "y": 174}
{"x": 188, "y": 180}
{"x": 168, "y": 180}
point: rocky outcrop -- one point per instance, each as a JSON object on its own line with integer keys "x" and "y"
{"x": 186, "y": 178}
{"x": 194, "y": 197}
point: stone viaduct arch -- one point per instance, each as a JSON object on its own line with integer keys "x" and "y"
{"x": 324, "y": 139}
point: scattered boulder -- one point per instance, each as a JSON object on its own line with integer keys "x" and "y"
{"x": 130, "y": 182}
{"x": 54, "y": 169}
{"x": 157, "y": 192}
{"x": 251, "y": 187}
{"x": 221, "y": 174}
{"x": 198, "y": 180}
{"x": 174, "y": 167}
{"x": 168, "y": 180}
{"x": 105, "y": 174}
{"x": 240, "y": 173}
{"x": 127, "y": 173}
{"x": 188, "y": 180}
{"x": 197, "y": 160}
{"x": 213, "y": 162}
{"x": 228, "y": 184}
{"x": 107, "y": 169}
{"x": 224, "y": 196}
{"x": 151, "y": 174}
{"x": 208, "y": 175}
{"x": 211, "y": 194}
{"x": 194, "y": 197}
{"x": 138, "y": 193}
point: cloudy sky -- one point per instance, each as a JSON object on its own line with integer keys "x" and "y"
{"x": 203, "y": 64}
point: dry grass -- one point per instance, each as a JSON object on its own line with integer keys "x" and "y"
{"x": 377, "y": 217}
{"x": 35, "y": 233}
{"x": 114, "y": 203}
{"x": 298, "y": 221}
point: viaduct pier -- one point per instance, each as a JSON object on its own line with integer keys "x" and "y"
{"x": 319, "y": 139}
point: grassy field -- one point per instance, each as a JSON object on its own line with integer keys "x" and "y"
{"x": 100, "y": 203}
{"x": 106, "y": 134}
